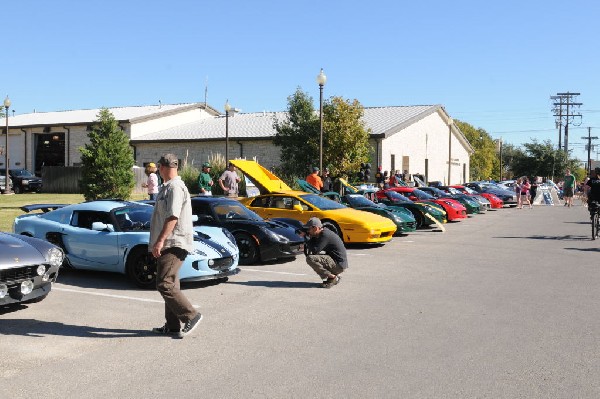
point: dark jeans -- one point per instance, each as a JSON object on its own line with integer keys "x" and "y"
{"x": 177, "y": 307}
{"x": 323, "y": 265}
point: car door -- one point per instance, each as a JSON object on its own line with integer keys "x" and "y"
{"x": 91, "y": 249}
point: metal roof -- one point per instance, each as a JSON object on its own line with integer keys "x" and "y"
{"x": 86, "y": 116}
{"x": 380, "y": 120}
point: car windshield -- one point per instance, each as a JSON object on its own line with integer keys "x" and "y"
{"x": 359, "y": 200}
{"x": 22, "y": 173}
{"x": 321, "y": 203}
{"x": 134, "y": 218}
{"x": 422, "y": 195}
{"x": 470, "y": 190}
{"x": 395, "y": 197}
{"x": 232, "y": 210}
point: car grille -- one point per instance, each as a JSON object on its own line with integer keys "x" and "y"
{"x": 18, "y": 274}
{"x": 222, "y": 263}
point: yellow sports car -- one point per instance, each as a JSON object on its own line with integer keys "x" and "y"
{"x": 277, "y": 200}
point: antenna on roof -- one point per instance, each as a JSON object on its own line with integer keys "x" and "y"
{"x": 205, "y": 91}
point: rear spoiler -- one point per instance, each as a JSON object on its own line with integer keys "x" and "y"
{"x": 44, "y": 207}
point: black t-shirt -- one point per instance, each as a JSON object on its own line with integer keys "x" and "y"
{"x": 332, "y": 244}
{"x": 594, "y": 193}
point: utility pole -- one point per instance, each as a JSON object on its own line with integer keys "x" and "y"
{"x": 589, "y": 148}
{"x": 566, "y": 100}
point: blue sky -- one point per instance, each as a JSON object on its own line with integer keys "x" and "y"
{"x": 491, "y": 64}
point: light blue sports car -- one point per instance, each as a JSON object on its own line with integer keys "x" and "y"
{"x": 113, "y": 236}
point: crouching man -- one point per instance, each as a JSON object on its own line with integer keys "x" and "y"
{"x": 333, "y": 262}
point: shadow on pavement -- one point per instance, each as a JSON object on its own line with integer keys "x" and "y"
{"x": 277, "y": 284}
{"x": 584, "y": 249}
{"x": 39, "y": 328}
{"x": 567, "y": 237}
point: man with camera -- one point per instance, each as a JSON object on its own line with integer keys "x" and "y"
{"x": 333, "y": 262}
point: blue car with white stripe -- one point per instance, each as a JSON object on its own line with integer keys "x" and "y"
{"x": 113, "y": 236}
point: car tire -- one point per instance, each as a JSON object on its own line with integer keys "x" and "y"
{"x": 17, "y": 189}
{"x": 328, "y": 224}
{"x": 419, "y": 218}
{"x": 249, "y": 252}
{"x": 141, "y": 268}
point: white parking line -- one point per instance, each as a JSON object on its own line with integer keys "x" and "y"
{"x": 132, "y": 298}
{"x": 269, "y": 271}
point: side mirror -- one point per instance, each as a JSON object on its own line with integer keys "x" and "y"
{"x": 99, "y": 226}
{"x": 298, "y": 207}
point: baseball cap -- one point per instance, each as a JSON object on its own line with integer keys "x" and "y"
{"x": 206, "y": 165}
{"x": 315, "y": 169}
{"x": 169, "y": 160}
{"x": 316, "y": 222}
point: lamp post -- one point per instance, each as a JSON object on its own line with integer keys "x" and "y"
{"x": 227, "y": 109}
{"x": 6, "y": 106}
{"x": 321, "y": 80}
{"x": 450, "y": 122}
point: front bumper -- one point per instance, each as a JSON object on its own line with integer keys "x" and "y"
{"x": 217, "y": 276}
{"x": 13, "y": 279}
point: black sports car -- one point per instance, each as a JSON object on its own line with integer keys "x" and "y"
{"x": 28, "y": 267}
{"x": 257, "y": 239}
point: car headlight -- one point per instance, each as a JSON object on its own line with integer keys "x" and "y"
{"x": 274, "y": 236}
{"x": 25, "y": 182}
{"x": 55, "y": 257}
{"x": 3, "y": 290}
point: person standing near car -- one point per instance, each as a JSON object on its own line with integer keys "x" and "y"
{"x": 314, "y": 179}
{"x": 334, "y": 261}
{"x": 205, "y": 181}
{"x": 229, "y": 181}
{"x": 568, "y": 188}
{"x": 152, "y": 182}
{"x": 327, "y": 182}
{"x": 171, "y": 239}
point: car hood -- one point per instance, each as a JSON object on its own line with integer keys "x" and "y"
{"x": 266, "y": 181}
{"x": 17, "y": 252}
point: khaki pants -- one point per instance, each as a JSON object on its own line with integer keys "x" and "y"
{"x": 323, "y": 265}
{"x": 177, "y": 307}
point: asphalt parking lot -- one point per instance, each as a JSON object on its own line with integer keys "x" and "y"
{"x": 502, "y": 305}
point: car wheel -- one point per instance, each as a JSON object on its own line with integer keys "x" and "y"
{"x": 141, "y": 268}
{"x": 248, "y": 249}
{"x": 328, "y": 224}
{"x": 419, "y": 218}
{"x": 17, "y": 189}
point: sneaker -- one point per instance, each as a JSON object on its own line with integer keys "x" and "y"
{"x": 190, "y": 325}
{"x": 164, "y": 330}
{"x": 330, "y": 282}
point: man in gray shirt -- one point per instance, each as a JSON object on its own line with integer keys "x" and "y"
{"x": 171, "y": 239}
{"x": 334, "y": 261}
{"x": 229, "y": 181}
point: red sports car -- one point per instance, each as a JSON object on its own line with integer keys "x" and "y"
{"x": 454, "y": 209}
{"x": 495, "y": 202}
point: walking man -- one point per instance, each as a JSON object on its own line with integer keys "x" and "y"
{"x": 330, "y": 265}
{"x": 171, "y": 238}
{"x": 568, "y": 188}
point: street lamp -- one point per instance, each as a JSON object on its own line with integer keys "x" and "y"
{"x": 227, "y": 109}
{"x": 321, "y": 80}
{"x": 6, "y": 107}
{"x": 450, "y": 122}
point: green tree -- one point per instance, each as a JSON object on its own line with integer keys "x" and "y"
{"x": 107, "y": 161}
{"x": 485, "y": 161}
{"x": 298, "y": 135}
{"x": 345, "y": 139}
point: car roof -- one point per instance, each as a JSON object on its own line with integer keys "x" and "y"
{"x": 101, "y": 205}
